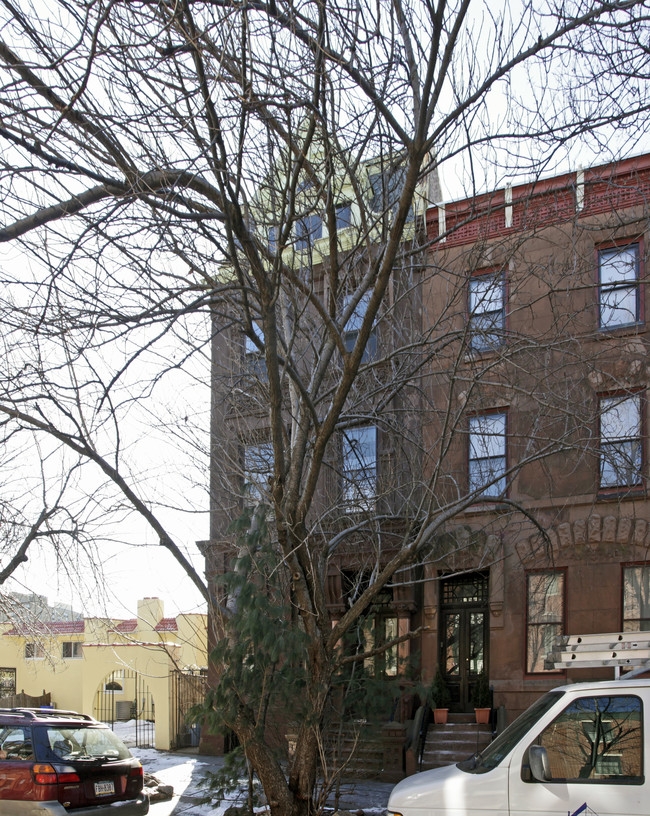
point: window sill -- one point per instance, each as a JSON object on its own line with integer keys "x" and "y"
{"x": 357, "y": 510}
{"x": 483, "y": 354}
{"x": 618, "y": 493}
{"x": 628, "y": 330}
{"x": 488, "y": 507}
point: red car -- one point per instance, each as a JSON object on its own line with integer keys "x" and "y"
{"x": 60, "y": 763}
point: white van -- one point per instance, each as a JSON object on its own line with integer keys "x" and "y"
{"x": 580, "y": 749}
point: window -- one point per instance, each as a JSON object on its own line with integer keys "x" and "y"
{"x": 636, "y": 599}
{"x": 34, "y": 651}
{"x": 353, "y": 327}
{"x": 487, "y": 454}
{"x": 71, "y": 649}
{"x": 378, "y": 627}
{"x": 7, "y": 682}
{"x": 620, "y": 441}
{"x": 254, "y": 362}
{"x": 308, "y": 229}
{"x": 360, "y": 467}
{"x": 83, "y": 744}
{"x": 544, "y": 616}
{"x": 487, "y": 315}
{"x": 343, "y": 216}
{"x": 16, "y": 743}
{"x": 386, "y": 188}
{"x": 258, "y": 470}
{"x": 376, "y": 630}
{"x": 595, "y": 739}
{"x": 115, "y": 681}
{"x": 618, "y": 286}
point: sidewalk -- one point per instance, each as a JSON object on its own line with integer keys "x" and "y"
{"x": 355, "y": 795}
{"x": 368, "y": 795}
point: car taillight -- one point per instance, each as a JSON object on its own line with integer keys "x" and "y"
{"x": 44, "y": 774}
{"x": 136, "y": 771}
{"x": 47, "y": 775}
{"x": 68, "y": 777}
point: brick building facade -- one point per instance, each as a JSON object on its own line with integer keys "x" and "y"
{"x": 526, "y": 433}
{"x": 549, "y": 363}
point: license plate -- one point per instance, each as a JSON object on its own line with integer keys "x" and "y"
{"x": 104, "y": 788}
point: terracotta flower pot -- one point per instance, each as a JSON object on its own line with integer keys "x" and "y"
{"x": 482, "y": 715}
{"x": 440, "y": 715}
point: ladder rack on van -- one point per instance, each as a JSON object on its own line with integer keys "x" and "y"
{"x": 617, "y": 649}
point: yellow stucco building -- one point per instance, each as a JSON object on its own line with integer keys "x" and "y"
{"x": 148, "y": 668}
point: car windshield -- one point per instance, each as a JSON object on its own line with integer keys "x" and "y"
{"x": 507, "y": 739}
{"x": 70, "y": 742}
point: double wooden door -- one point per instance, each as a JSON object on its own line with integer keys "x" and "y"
{"x": 465, "y": 634}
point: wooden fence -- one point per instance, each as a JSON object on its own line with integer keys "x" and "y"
{"x": 23, "y": 700}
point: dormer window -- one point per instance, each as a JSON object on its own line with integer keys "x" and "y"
{"x": 308, "y": 230}
{"x": 343, "y": 216}
{"x": 386, "y": 187}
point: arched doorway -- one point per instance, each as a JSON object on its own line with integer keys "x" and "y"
{"x": 124, "y": 702}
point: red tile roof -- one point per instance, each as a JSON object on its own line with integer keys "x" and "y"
{"x": 166, "y": 625}
{"x": 127, "y": 625}
{"x": 49, "y": 628}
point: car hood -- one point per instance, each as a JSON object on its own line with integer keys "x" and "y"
{"x": 449, "y": 789}
{"x": 414, "y": 788}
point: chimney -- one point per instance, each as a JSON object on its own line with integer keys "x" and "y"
{"x": 150, "y": 613}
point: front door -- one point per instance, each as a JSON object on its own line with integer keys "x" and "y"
{"x": 464, "y": 642}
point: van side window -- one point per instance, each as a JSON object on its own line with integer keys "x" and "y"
{"x": 596, "y": 739}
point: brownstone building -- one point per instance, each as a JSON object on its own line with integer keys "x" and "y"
{"x": 365, "y": 495}
{"x": 539, "y": 403}
{"x": 522, "y": 435}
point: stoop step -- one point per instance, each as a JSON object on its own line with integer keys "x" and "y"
{"x": 457, "y": 740}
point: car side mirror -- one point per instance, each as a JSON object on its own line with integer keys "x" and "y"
{"x": 539, "y": 764}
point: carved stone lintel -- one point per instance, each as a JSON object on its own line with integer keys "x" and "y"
{"x": 593, "y": 531}
{"x": 610, "y": 535}
{"x": 624, "y": 531}
{"x": 609, "y": 530}
{"x": 640, "y": 530}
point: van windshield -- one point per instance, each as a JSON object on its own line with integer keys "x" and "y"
{"x": 509, "y": 737}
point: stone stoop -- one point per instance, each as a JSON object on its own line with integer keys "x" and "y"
{"x": 457, "y": 740}
{"x": 359, "y": 748}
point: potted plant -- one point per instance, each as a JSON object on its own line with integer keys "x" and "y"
{"x": 482, "y": 699}
{"x": 440, "y": 697}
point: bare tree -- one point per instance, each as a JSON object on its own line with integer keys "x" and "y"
{"x": 264, "y": 169}
{"x": 41, "y": 509}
